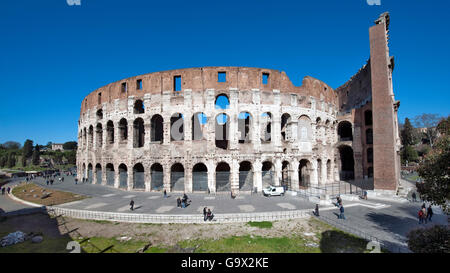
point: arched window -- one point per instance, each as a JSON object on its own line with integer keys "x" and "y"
{"x": 285, "y": 126}
{"x": 123, "y": 129}
{"x": 368, "y": 117}
{"x": 266, "y": 127}
{"x": 99, "y": 132}
{"x": 304, "y": 128}
{"x": 139, "y": 107}
{"x": 139, "y": 133}
{"x": 244, "y": 125}
{"x": 222, "y": 126}
{"x": 369, "y": 136}
{"x": 138, "y": 176}
{"x": 245, "y": 176}
{"x": 157, "y": 129}
{"x": 345, "y": 131}
{"x": 222, "y": 102}
{"x": 99, "y": 114}
{"x": 177, "y": 127}
{"x": 110, "y": 132}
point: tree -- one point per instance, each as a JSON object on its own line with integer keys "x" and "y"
{"x": 3, "y": 160}
{"x": 71, "y": 145}
{"x": 11, "y": 145}
{"x": 409, "y": 134}
{"x": 24, "y": 161}
{"x": 435, "y": 171}
{"x": 409, "y": 154}
{"x": 36, "y": 155}
{"x": 71, "y": 157}
{"x": 429, "y": 240}
{"x": 429, "y": 122}
{"x": 11, "y": 160}
{"x": 27, "y": 150}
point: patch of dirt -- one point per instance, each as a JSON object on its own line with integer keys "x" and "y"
{"x": 33, "y": 193}
{"x": 170, "y": 234}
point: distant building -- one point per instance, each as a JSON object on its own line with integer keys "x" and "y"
{"x": 56, "y": 146}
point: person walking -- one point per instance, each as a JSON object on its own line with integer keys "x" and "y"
{"x": 165, "y": 194}
{"x": 424, "y": 213}
{"x": 3, "y": 191}
{"x": 316, "y": 211}
{"x": 429, "y": 213}
{"x": 414, "y": 197}
{"x": 420, "y": 214}
{"x": 205, "y": 214}
{"x": 8, "y": 190}
{"x": 341, "y": 215}
{"x": 47, "y": 182}
{"x": 132, "y": 205}
{"x": 178, "y": 202}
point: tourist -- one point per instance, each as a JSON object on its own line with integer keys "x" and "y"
{"x": 341, "y": 215}
{"x": 165, "y": 194}
{"x": 132, "y": 205}
{"x": 76, "y": 181}
{"x": 47, "y": 182}
{"x": 178, "y": 202}
{"x": 424, "y": 214}
{"x": 9, "y": 190}
{"x": 429, "y": 213}
{"x": 205, "y": 214}
{"x": 183, "y": 204}
{"x": 365, "y": 195}
{"x": 420, "y": 214}
{"x": 316, "y": 211}
{"x": 3, "y": 191}
{"x": 209, "y": 215}
{"x": 414, "y": 196}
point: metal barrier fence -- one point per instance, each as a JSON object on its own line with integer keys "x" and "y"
{"x": 331, "y": 189}
{"x": 182, "y": 219}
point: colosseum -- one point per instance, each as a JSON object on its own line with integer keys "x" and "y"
{"x": 239, "y": 129}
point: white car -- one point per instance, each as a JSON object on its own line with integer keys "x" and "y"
{"x": 273, "y": 191}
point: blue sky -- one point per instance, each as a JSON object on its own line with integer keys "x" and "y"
{"x": 53, "y": 54}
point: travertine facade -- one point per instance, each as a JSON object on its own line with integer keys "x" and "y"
{"x": 220, "y": 129}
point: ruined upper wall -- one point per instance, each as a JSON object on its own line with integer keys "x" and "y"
{"x": 201, "y": 79}
{"x": 356, "y": 92}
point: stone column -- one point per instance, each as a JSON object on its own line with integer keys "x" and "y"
{"x": 313, "y": 171}
{"x": 234, "y": 173}
{"x": 211, "y": 176}
{"x": 166, "y": 125}
{"x": 116, "y": 177}
{"x": 104, "y": 175}
{"x": 130, "y": 181}
{"x": 278, "y": 169}
{"x": 147, "y": 134}
{"x": 166, "y": 177}
{"x": 294, "y": 174}
{"x": 188, "y": 177}
{"x": 324, "y": 171}
{"x": 116, "y": 135}
{"x": 130, "y": 140}
{"x": 257, "y": 174}
{"x": 148, "y": 179}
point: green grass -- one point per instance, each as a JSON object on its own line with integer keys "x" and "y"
{"x": 130, "y": 246}
{"x": 264, "y": 224}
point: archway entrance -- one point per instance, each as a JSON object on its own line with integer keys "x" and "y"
{"x": 157, "y": 176}
{"x": 223, "y": 177}
{"x": 245, "y": 176}
{"x": 110, "y": 174}
{"x": 200, "y": 177}
{"x": 347, "y": 166}
{"x": 138, "y": 177}
{"x": 267, "y": 174}
{"x": 177, "y": 177}
{"x": 304, "y": 174}
{"x": 123, "y": 176}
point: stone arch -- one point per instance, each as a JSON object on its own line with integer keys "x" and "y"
{"x": 199, "y": 121}
{"x": 157, "y": 128}
{"x": 329, "y": 171}
{"x": 139, "y": 133}
{"x": 347, "y": 163}
{"x": 304, "y": 128}
{"x": 110, "y": 132}
{"x": 123, "y": 129}
{"x": 286, "y": 174}
{"x": 110, "y": 175}
{"x": 123, "y": 176}
{"x": 91, "y": 136}
{"x": 99, "y": 135}
{"x": 222, "y": 101}
{"x": 90, "y": 175}
{"x": 267, "y": 173}
{"x": 244, "y": 127}
{"x": 222, "y": 128}
{"x": 345, "y": 131}
{"x": 246, "y": 176}
{"x": 99, "y": 114}
{"x": 304, "y": 173}
{"x": 138, "y": 107}
{"x": 157, "y": 177}
{"x": 138, "y": 176}
{"x": 177, "y": 177}
{"x": 266, "y": 127}
{"x": 223, "y": 177}
{"x": 98, "y": 173}
{"x": 177, "y": 127}
{"x": 285, "y": 126}
{"x": 200, "y": 178}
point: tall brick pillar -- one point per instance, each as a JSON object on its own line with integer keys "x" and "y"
{"x": 386, "y": 168}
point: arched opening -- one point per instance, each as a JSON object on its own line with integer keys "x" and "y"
{"x": 345, "y": 131}
{"x": 223, "y": 177}
{"x": 368, "y": 117}
{"x": 198, "y": 124}
{"x": 304, "y": 129}
{"x": 157, "y": 174}
{"x": 110, "y": 174}
{"x": 369, "y": 136}
{"x": 200, "y": 177}
{"x": 98, "y": 173}
{"x": 319, "y": 171}
{"x": 285, "y": 126}
{"x": 99, "y": 135}
{"x": 139, "y": 107}
{"x": 222, "y": 102}
{"x": 99, "y": 114}
{"x": 286, "y": 175}
{"x": 304, "y": 173}
{"x": 222, "y": 126}
{"x": 91, "y": 136}
{"x": 177, "y": 177}
{"x": 244, "y": 125}
{"x": 123, "y": 129}
{"x": 177, "y": 127}
{"x": 110, "y": 132}
{"x": 84, "y": 138}
{"x": 245, "y": 176}
{"x": 157, "y": 129}
{"x": 329, "y": 170}
{"x": 123, "y": 176}
{"x": 267, "y": 174}
{"x": 347, "y": 168}
{"x": 138, "y": 176}
{"x": 369, "y": 155}
{"x": 139, "y": 133}
{"x": 266, "y": 127}
{"x": 90, "y": 174}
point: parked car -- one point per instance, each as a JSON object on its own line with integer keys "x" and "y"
{"x": 273, "y": 191}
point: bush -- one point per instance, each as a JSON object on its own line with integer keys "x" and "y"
{"x": 429, "y": 240}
